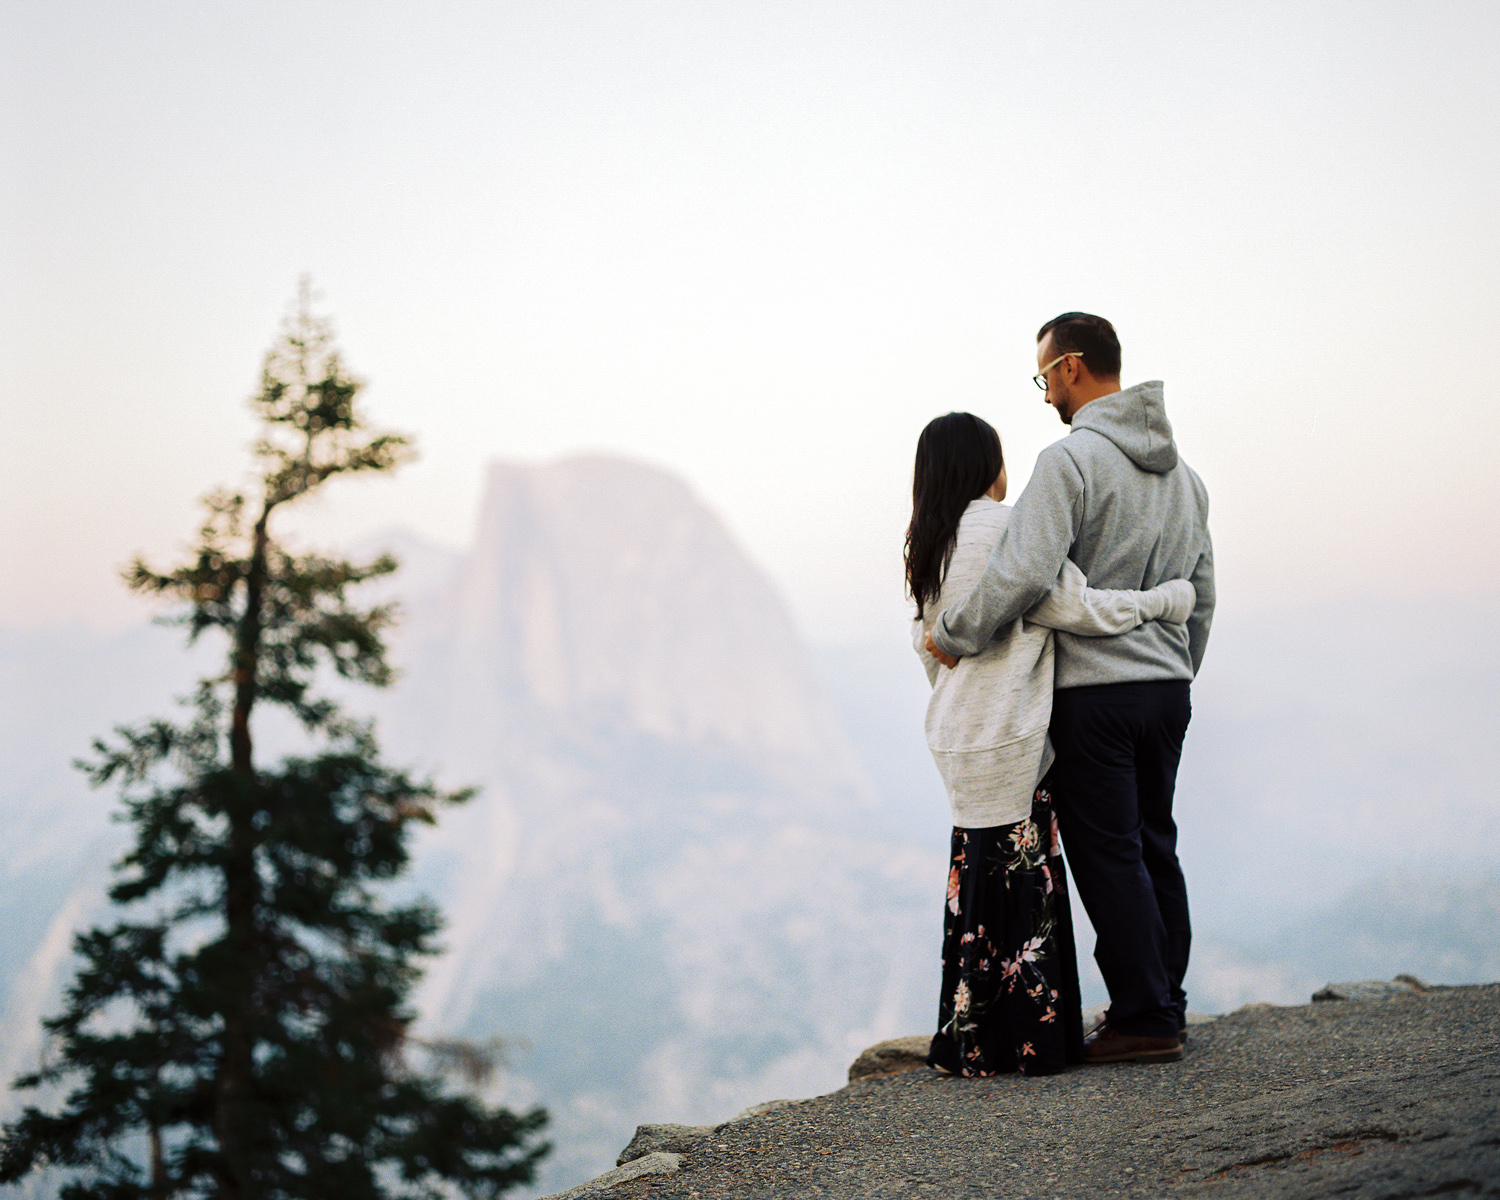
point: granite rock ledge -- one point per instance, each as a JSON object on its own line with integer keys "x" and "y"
{"x": 1391, "y": 1095}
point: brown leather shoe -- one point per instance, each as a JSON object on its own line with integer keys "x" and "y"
{"x": 1108, "y": 1045}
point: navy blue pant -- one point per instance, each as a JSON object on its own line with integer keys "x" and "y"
{"x": 1118, "y": 745}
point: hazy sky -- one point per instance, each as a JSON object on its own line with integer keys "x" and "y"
{"x": 761, "y": 244}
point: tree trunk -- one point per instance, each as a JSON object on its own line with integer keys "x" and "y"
{"x": 241, "y": 888}
{"x": 158, "y": 1165}
{"x": 247, "y": 652}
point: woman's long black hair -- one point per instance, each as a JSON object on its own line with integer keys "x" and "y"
{"x": 958, "y": 458}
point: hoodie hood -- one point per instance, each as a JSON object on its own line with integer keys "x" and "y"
{"x": 1135, "y": 420}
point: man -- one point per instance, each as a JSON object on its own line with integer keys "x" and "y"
{"x": 1115, "y": 498}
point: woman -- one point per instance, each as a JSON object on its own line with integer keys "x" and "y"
{"x": 1010, "y": 996}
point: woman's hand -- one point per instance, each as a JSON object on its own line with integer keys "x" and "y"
{"x": 946, "y": 659}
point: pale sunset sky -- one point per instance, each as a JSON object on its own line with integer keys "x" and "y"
{"x": 759, "y": 244}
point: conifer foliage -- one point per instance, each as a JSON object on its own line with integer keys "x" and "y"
{"x": 247, "y": 1037}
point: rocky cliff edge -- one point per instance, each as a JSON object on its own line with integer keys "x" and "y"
{"x": 1383, "y": 1091}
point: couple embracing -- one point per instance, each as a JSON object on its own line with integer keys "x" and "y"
{"x": 1061, "y": 637}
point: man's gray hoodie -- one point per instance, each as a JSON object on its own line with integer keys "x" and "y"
{"x": 1115, "y": 498}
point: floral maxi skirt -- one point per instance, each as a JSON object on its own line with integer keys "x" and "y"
{"x": 1010, "y": 998}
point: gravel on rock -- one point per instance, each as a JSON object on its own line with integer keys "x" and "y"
{"x": 1385, "y": 1098}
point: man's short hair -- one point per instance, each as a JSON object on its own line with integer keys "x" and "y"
{"x": 1088, "y": 335}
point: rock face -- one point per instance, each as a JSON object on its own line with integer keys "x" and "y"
{"x": 1397, "y": 1096}
{"x": 658, "y": 1162}
{"x": 659, "y": 1139}
{"x": 670, "y": 886}
{"x": 600, "y": 599}
{"x": 1370, "y": 989}
{"x": 890, "y": 1057}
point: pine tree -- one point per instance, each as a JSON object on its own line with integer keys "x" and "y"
{"x": 247, "y": 1038}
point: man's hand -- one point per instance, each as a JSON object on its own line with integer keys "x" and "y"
{"x": 946, "y": 659}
